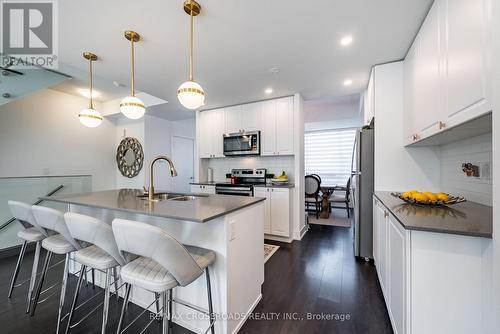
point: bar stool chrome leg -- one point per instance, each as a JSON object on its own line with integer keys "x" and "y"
{"x": 33, "y": 274}
{"x": 165, "y": 328}
{"x": 210, "y": 304}
{"x": 115, "y": 278}
{"x": 124, "y": 307}
{"x": 169, "y": 308}
{"x": 63, "y": 292}
{"x": 157, "y": 302}
{"x": 106, "y": 301}
{"x": 40, "y": 283}
{"x": 75, "y": 297}
{"x": 18, "y": 267}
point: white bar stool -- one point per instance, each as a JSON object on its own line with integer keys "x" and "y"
{"x": 103, "y": 256}
{"x": 32, "y": 232}
{"x": 164, "y": 264}
{"x": 61, "y": 243}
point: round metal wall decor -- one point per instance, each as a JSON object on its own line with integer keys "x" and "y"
{"x": 129, "y": 157}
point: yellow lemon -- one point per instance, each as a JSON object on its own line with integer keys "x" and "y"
{"x": 443, "y": 197}
{"x": 419, "y": 197}
{"x": 407, "y": 194}
{"x": 431, "y": 196}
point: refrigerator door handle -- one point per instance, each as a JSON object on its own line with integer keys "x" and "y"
{"x": 355, "y": 173}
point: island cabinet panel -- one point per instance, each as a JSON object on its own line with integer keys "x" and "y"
{"x": 431, "y": 282}
{"x": 210, "y": 133}
{"x": 202, "y": 189}
{"x": 277, "y": 210}
{"x": 447, "y": 69}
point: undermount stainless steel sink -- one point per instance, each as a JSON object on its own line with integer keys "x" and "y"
{"x": 184, "y": 198}
{"x": 168, "y": 196}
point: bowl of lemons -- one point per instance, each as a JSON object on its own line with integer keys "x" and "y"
{"x": 428, "y": 198}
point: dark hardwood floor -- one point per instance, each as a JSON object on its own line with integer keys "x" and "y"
{"x": 317, "y": 276}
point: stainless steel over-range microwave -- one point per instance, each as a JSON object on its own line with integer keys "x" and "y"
{"x": 242, "y": 143}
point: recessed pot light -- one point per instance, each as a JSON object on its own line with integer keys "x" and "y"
{"x": 268, "y": 91}
{"x": 274, "y": 70}
{"x": 347, "y": 82}
{"x": 345, "y": 41}
{"x": 86, "y": 93}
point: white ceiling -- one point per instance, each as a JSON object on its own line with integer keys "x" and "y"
{"x": 237, "y": 42}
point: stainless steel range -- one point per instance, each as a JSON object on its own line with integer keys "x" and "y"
{"x": 242, "y": 182}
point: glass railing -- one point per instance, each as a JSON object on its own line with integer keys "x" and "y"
{"x": 28, "y": 190}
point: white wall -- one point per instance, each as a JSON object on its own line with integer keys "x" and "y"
{"x": 274, "y": 165}
{"x": 155, "y": 135}
{"x": 334, "y": 114}
{"x": 40, "y": 134}
{"x": 398, "y": 168}
{"x": 491, "y": 259}
{"x": 130, "y": 128}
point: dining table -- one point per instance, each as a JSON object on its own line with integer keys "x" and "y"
{"x": 327, "y": 191}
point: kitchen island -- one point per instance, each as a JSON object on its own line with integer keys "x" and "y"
{"x": 231, "y": 226}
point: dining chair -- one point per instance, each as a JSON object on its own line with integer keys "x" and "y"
{"x": 312, "y": 189}
{"x": 342, "y": 199}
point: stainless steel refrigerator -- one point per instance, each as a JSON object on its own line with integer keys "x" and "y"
{"x": 362, "y": 183}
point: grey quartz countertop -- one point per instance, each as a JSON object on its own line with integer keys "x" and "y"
{"x": 467, "y": 218}
{"x": 206, "y": 183}
{"x": 202, "y": 209}
{"x": 271, "y": 185}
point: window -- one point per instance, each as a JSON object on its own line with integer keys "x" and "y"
{"x": 329, "y": 154}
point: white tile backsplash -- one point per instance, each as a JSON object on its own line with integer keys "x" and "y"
{"x": 478, "y": 151}
{"x": 275, "y": 165}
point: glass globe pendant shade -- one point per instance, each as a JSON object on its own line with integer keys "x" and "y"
{"x": 89, "y": 117}
{"x": 191, "y": 95}
{"x": 132, "y": 107}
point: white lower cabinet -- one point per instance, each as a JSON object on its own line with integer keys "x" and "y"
{"x": 277, "y": 210}
{"x": 431, "y": 282}
{"x": 202, "y": 189}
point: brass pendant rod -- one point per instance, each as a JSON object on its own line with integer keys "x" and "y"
{"x": 91, "y": 104}
{"x": 133, "y": 66}
{"x": 191, "y": 46}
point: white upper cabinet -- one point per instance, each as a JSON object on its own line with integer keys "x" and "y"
{"x": 369, "y": 100}
{"x": 446, "y": 69}
{"x": 277, "y": 127}
{"x": 466, "y": 49}
{"x": 211, "y": 131}
{"x": 268, "y": 128}
{"x": 251, "y": 116}
{"x": 273, "y": 118}
{"x": 243, "y": 118}
{"x": 284, "y": 126}
{"x": 233, "y": 119}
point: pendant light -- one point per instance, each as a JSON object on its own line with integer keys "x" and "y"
{"x": 190, "y": 94}
{"x": 90, "y": 117}
{"x": 131, "y": 106}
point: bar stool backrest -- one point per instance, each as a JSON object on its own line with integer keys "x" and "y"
{"x": 53, "y": 220}
{"x": 23, "y": 213}
{"x": 94, "y": 231}
{"x": 155, "y": 243}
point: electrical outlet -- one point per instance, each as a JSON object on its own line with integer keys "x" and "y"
{"x": 232, "y": 231}
{"x": 486, "y": 170}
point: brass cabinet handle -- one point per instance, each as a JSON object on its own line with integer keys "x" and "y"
{"x": 386, "y": 214}
{"x": 442, "y": 125}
